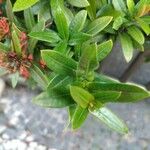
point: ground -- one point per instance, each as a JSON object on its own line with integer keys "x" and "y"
{"x": 35, "y": 128}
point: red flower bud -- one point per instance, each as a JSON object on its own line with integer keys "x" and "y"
{"x": 4, "y": 27}
{"x": 24, "y": 72}
{"x": 42, "y": 64}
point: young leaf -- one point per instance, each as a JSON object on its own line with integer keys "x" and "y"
{"x": 131, "y": 6}
{"x": 127, "y": 46}
{"x": 9, "y": 11}
{"x": 16, "y": 43}
{"x": 62, "y": 47}
{"x": 22, "y": 5}
{"x": 145, "y": 27}
{"x": 29, "y": 19}
{"x": 39, "y": 77}
{"x": 53, "y": 99}
{"x": 46, "y": 36}
{"x": 38, "y": 27}
{"x": 106, "y": 96}
{"x": 110, "y": 119}
{"x": 98, "y": 25}
{"x": 59, "y": 63}
{"x": 119, "y": 5}
{"x": 104, "y": 49}
{"x": 60, "y": 19}
{"x": 78, "y": 22}
{"x": 79, "y": 3}
{"x": 118, "y": 22}
{"x": 81, "y": 96}
{"x": 91, "y": 9}
{"x": 88, "y": 61}
{"x": 78, "y": 38}
{"x": 79, "y": 117}
{"x": 14, "y": 79}
{"x": 136, "y": 34}
{"x": 4, "y": 48}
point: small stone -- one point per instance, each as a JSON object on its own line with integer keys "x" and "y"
{"x": 41, "y": 147}
{"x": 33, "y": 144}
{"x": 14, "y": 121}
{"x": 29, "y": 138}
{"x": 23, "y": 135}
{"x": 5, "y": 136}
{"x": 2, "y": 129}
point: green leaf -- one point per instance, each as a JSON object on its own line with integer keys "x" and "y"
{"x": 136, "y": 34}
{"x": 60, "y": 19}
{"x": 145, "y": 27}
{"x": 62, "y": 47}
{"x": 98, "y": 25}
{"x": 106, "y": 96}
{"x": 91, "y": 9}
{"x": 29, "y": 19}
{"x": 110, "y": 119}
{"x": 88, "y": 61}
{"x": 14, "y": 79}
{"x": 46, "y": 36}
{"x": 81, "y": 96}
{"x": 79, "y": 3}
{"x": 38, "y": 27}
{"x": 59, "y": 63}
{"x": 131, "y": 6}
{"x": 127, "y": 46}
{"x": 130, "y": 92}
{"x": 78, "y": 38}
{"x": 78, "y": 22}
{"x": 16, "y": 43}
{"x": 39, "y": 76}
{"x": 53, "y": 99}
{"x": 79, "y": 117}
{"x": 4, "y": 48}
{"x": 9, "y": 11}
{"x": 119, "y": 5}
{"x": 118, "y": 22}
{"x": 22, "y": 5}
{"x": 104, "y": 49}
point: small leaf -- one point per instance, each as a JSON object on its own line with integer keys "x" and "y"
{"x": 118, "y": 22}
{"x": 104, "y": 49}
{"x": 79, "y": 117}
{"x": 78, "y": 38}
{"x": 91, "y": 9}
{"x": 22, "y": 5}
{"x": 53, "y": 100}
{"x": 39, "y": 77}
{"x": 16, "y": 43}
{"x": 59, "y": 63}
{"x": 78, "y": 22}
{"x": 136, "y": 34}
{"x": 79, "y": 3}
{"x": 9, "y": 11}
{"x": 14, "y": 79}
{"x": 127, "y": 46}
{"x": 98, "y": 25}
{"x": 29, "y": 19}
{"x": 131, "y": 6}
{"x": 88, "y": 61}
{"x": 81, "y": 96}
{"x": 119, "y": 5}
{"x": 60, "y": 19}
{"x": 145, "y": 27}
{"x": 110, "y": 119}
{"x": 46, "y": 36}
{"x": 4, "y": 48}
{"x": 38, "y": 27}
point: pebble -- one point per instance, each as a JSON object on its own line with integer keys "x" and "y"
{"x": 29, "y": 138}
{"x": 2, "y": 128}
